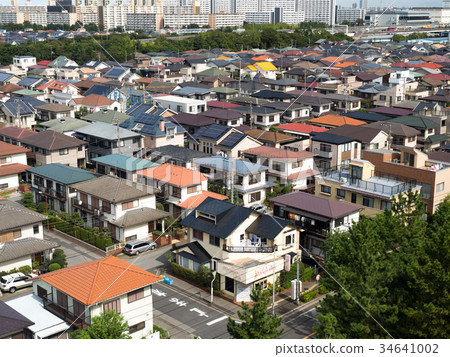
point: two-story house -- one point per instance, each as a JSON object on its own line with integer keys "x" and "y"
{"x": 181, "y": 104}
{"x": 303, "y": 133}
{"x": 106, "y": 139}
{"x": 246, "y": 248}
{"x": 271, "y": 138}
{"x": 316, "y": 216}
{"x": 121, "y": 166}
{"x": 13, "y": 163}
{"x": 261, "y": 117}
{"x": 358, "y": 184}
{"x": 285, "y": 166}
{"x": 13, "y": 135}
{"x": 94, "y": 103}
{"x": 398, "y": 134}
{"x": 182, "y": 189}
{"x": 371, "y": 138}
{"x": 106, "y": 284}
{"x": 19, "y": 112}
{"x": 334, "y": 150}
{"x": 22, "y": 237}
{"x": 291, "y": 111}
{"x": 49, "y": 147}
{"x": 175, "y": 155}
{"x": 125, "y": 208}
{"x": 50, "y": 184}
{"x": 330, "y": 121}
{"x": 218, "y": 139}
{"x": 248, "y": 179}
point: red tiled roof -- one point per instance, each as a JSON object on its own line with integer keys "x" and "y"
{"x": 173, "y": 174}
{"x": 195, "y": 201}
{"x": 302, "y": 128}
{"x": 427, "y": 65}
{"x": 16, "y": 132}
{"x": 221, "y": 105}
{"x": 11, "y": 169}
{"x": 44, "y": 62}
{"x": 99, "y": 280}
{"x": 441, "y": 76}
{"x": 303, "y": 174}
{"x": 268, "y": 151}
{"x": 94, "y": 100}
{"x": 9, "y": 149}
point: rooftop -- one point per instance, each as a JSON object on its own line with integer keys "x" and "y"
{"x": 124, "y": 162}
{"x": 272, "y": 152}
{"x": 62, "y": 173}
{"x": 173, "y": 174}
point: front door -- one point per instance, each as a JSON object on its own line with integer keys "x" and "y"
{"x": 151, "y": 226}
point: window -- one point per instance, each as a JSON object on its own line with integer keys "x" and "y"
{"x": 17, "y": 233}
{"x": 340, "y": 192}
{"x": 425, "y": 192}
{"x": 278, "y": 166}
{"x": 325, "y": 189}
{"x": 192, "y": 189}
{"x": 214, "y": 241}
{"x": 62, "y": 299}
{"x": 325, "y": 147}
{"x": 382, "y": 97}
{"x": 353, "y": 197}
{"x": 135, "y": 295}
{"x": 385, "y": 205}
{"x": 255, "y": 196}
{"x": 411, "y": 139}
{"x": 368, "y": 201}
{"x": 106, "y": 207}
{"x": 170, "y": 133}
{"x": 80, "y": 148}
{"x": 36, "y": 229}
{"x": 122, "y": 143}
{"x": 112, "y": 305}
{"x": 430, "y": 131}
{"x": 440, "y": 187}
{"x": 127, "y": 205}
{"x": 289, "y": 239}
{"x": 184, "y": 262}
{"x": 297, "y": 164}
{"x": 5, "y": 160}
{"x": 399, "y": 99}
{"x": 198, "y": 234}
{"x": 63, "y": 151}
{"x": 176, "y": 191}
{"x": 137, "y": 327}
{"x": 347, "y": 147}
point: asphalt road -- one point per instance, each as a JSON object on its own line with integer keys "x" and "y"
{"x": 299, "y": 324}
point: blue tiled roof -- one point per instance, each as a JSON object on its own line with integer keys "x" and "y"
{"x": 4, "y": 76}
{"x": 62, "y": 173}
{"x": 99, "y": 89}
{"x": 124, "y": 162}
{"x": 28, "y": 81}
{"x": 115, "y": 72}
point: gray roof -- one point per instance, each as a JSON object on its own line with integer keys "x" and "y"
{"x": 139, "y": 216}
{"x": 335, "y": 96}
{"x": 23, "y": 247}
{"x": 11, "y": 321}
{"x": 361, "y": 133}
{"x": 314, "y": 204}
{"x": 14, "y": 215}
{"x": 228, "y": 164}
{"x": 178, "y": 152}
{"x": 106, "y": 131}
{"x": 62, "y": 173}
{"x": 267, "y": 226}
{"x": 63, "y": 125}
{"x": 395, "y": 128}
{"x": 124, "y": 162}
{"x": 114, "y": 189}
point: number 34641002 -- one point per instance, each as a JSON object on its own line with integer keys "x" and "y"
{"x": 409, "y": 348}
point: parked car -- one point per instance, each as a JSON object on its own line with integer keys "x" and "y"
{"x": 139, "y": 246}
{"x": 15, "y": 281}
{"x": 259, "y": 208}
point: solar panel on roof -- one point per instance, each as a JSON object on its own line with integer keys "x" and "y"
{"x": 115, "y": 72}
{"x": 232, "y": 140}
{"x": 441, "y": 92}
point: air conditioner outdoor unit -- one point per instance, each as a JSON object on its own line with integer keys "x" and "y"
{"x": 397, "y": 161}
{"x": 343, "y": 179}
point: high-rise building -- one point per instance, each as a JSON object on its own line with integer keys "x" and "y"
{"x": 318, "y": 10}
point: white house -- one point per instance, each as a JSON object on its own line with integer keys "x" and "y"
{"x": 181, "y": 104}
{"x": 13, "y": 163}
{"x": 24, "y": 61}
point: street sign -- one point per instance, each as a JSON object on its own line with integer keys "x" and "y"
{"x": 287, "y": 262}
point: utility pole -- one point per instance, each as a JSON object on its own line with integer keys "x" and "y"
{"x": 273, "y": 284}
{"x": 118, "y": 135}
{"x": 297, "y": 288}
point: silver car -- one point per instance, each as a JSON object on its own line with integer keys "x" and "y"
{"x": 139, "y": 246}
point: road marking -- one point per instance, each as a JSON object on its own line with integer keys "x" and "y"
{"x": 200, "y": 312}
{"x": 311, "y": 334}
{"x": 296, "y": 317}
{"x": 216, "y": 320}
{"x": 159, "y": 293}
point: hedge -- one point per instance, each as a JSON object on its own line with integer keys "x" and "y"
{"x": 309, "y": 295}
{"x": 26, "y": 269}
{"x": 307, "y": 274}
{"x": 202, "y": 277}
{"x": 287, "y": 276}
{"x": 323, "y": 289}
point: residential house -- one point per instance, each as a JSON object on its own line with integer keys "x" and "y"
{"x": 316, "y": 216}
{"x": 199, "y": 76}
{"x": 22, "y": 237}
{"x": 154, "y": 124}
{"x": 334, "y": 150}
{"x": 285, "y": 166}
{"x": 303, "y": 133}
{"x": 358, "y": 184}
{"x": 94, "y": 103}
{"x": 332, "y": 121}
{"x": 65, "y": 125}
{"x": 371, "y": 138}
{"x": 261, "y": 69}
{"x": 273, "y": 96}
{"x": 224, "y": 117}
{"x": 127, "y": 209}
{"x": 175, "y": 155}
{"x": 344, "y": 102}
{"x": 30, "y": 82}
{"x": 108, "y": 284}
{"x": 261, "y": 117}
{"x": 62, "y": 61}
{"x": 14, "y": 135}
{"x": 248, "y": 180}
{"x": 246, "y": 248}
{"x": 121, "y": 166}
{"x": 24, "y": 61}
{"x": 105, "y": 139}
{"x": 49, "y": 147}
{"x": 181, "y": 104}
{"x": 13, "y": 163}
{"x": 18, "y": 112}
{"x": 292, "y": 111}
{"x": 218, "y": 139}
{"x": 52, "y": 87}
{"x": 50, "y": 184}
{"x": 13, "y": 325}
{"x": 271, "y": 138}
{"x": 54, "y": 111}
{"x": 191, "y": 123}
{"x": 398, "y": 134}
{"x": 407, "y": 163}
{"x": 319, "y": 104}
{"x": 106, "y": 116}
{"x": 182, "y": 189}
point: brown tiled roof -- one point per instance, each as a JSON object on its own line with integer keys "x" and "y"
{"x": 11, "y": 169}
{"x": 364, "y": 133}
{"x": 268, "y": 151}
{"x": 10, "y": 87}
{"x": 94, "y": 100}
{"x": 16, "y": 132}
{"x": 51, "y": 140}
{"x": 55, "y": 107}
{"x": 9, "y": 149}
{"x": 99, "y": 280}
{"x": 265, "y": 135}
{"x": 439, "y": 156}
{"x": 85, "y": 84}
{"x": 314, "y": 204}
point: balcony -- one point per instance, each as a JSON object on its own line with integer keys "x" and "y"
{"x": 78, "y": 322}
{"x": 87, "y": 207}
{"x": 249, "y": 249}
{"x": 60, "y": 195}
{"x": 325, "y": 154}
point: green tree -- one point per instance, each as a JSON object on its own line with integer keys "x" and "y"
{"x": 108, "y": 325}
{"x": 59, "y": 257}
{"x": 398, "y": 38}
{"x": 27, "y": 200}
{"x": 256, "y": 322}
{"x": 81, "y": 113}
{"x": 391, "y": 274}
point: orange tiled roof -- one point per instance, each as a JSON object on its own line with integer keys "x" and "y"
{"x": 345, "y": 64}
{"x": 260, "y": 58}
{"x": 336, "y": 120}
{"x": 173, "y": 174}
{"x": 195, "y": 201}
{"x": 99, "y": 280}
{"x": 332, "y": 59}
{"x": 11, "y": 169}
{"x": 56, "y": 85}
{"x": 10, "y": 87}
{"x": 9, "y": 149}
{"x": 94, "y": 100}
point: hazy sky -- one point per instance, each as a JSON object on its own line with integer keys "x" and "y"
{"x": 396, "y": 3}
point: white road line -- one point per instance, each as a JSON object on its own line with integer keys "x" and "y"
{"x": 216, "y": 320}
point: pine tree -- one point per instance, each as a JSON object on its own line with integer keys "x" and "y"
{"x": 256, "y": 322}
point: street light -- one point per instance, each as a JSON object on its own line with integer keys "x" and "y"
{"x": 46, "y": 209}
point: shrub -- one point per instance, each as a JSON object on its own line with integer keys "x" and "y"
{"x": 309, "y": 295}
{"x": 158, "y": 233}
{"x": 202, "y": 277}
{"x": 163, "y": 334}
{"x": 54, "y": 266}
{"x": 307, "y": 274}
{"x": 26, "y": 269}
{"x": 42, "y": 207}
{"x": 287, "y": 276}
{"x": 59, "y": 257}
{"x": 323, "y": 289}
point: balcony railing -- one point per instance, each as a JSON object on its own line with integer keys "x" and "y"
{"x": 76, "y": 321}
{"x": 325, "y": 154}
{"x": 87, "y": 207}
{"x": 249, "y": 249}
{"x": 61, "y": 195}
